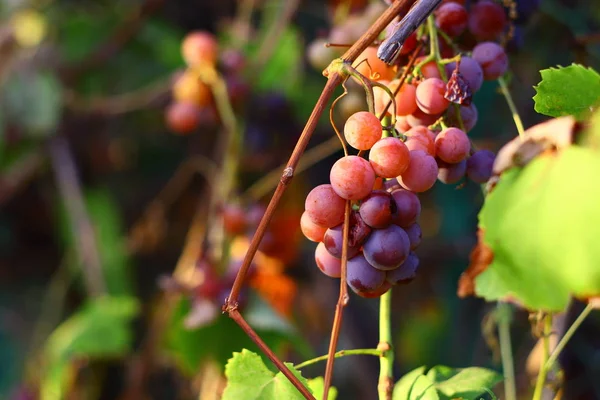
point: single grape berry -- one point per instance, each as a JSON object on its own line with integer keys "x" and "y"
{"x": 405, "y": 273}
{"x": 420, "y": 138}
{"x": 451, "y": 18}
{"x": 487, "y": 20}
{"x": 468, "y": 115}
{"x": 373, "y": 67}
{"x": 389, "y": 157}
{"x": 479, "y": 166}
{"x": 352, "y": 177}
{"x": 199, "y": 48}
{"x": 378, "y": 209}
{"x": 325, "y": 207}
{"x": 182, "y": 117}
{"x": 402, "y": 123}
{"x": 470, "y": 70}
{"x": 408, "y": 207}
{"x": 362, "y": 276}
{"x": 373, "y": 294}
{"x": 188, "y": 88}
{"x": 414, "y": 235}
{"x": 421, "y": 173}
{"x": 429, "y": 69}
{"x": 333, "y": 241}
{"x": 387, "y": 248}
{"x": 310, "y": 229}
{"x": 234, "y": 219}
{"x": 430, "y": 96}
{"x": 406, "y": 101}
{"x": 452, "y": 145}
{"x": 328, "y": 264}
{"x": 451, "y": 173}
{"x": 421, "y": 118}
{"x": 362, "y": 130}
{"x": 492, "y": 58}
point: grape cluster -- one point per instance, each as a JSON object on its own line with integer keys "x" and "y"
{"x": 193, "y": 103}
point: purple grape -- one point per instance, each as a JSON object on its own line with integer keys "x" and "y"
{"x": 408, "y": 207}
{"x": 406, "y": 272}
{"x": 492, "y": 58}
{"x": 451, "y": 173}
{"x": 333, "y": 241}
{"x": 467, "y": 113}
{"x": 414, "y": 235}
{"x": 362, "y": 277}
{"x": 479, "y": 166}
{"x": 391, "y": 184}
{"x": 387, "y": 248}
{"x": 378, "y": 209}
{"x": 470, "y": 70}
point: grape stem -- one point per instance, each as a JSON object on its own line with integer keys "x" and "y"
{"x": 541, "y": 379}
{"x": 504, "y": 316}
{"x": 386, "y": 360}
{"x": 339, "y": 354}
{"x": 511, "y": 105}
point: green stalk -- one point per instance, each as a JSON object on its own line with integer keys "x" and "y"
{"x": 341, "y": 353}
{"x": 386, "y": 361}
{"x": 511, "y": 105}
{"x": 568, "y": 334}
{"x": 541, "y": 379}
{"x": 504, "y": 316}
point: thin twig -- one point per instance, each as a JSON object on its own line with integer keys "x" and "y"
{"x": 511, "y": 105}
{"x": 341, "y": 353}
{"x": 81, "y": 224}
{"x": 342, "y": 301}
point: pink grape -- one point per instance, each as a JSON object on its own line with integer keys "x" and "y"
{"x": 408, "y": 207}
{"x": 324, "y": 206}
{"x": 452, "y": 145}
{"x": 420, "y": 138}
{"x": 487, "y": 20}
{"x": 429, "y": 69}
{"x": 451, "y": 173}
{"x": 327, "y": 263}
{"x": 387, "y": 248}
{"x": 402, "y": 123}
{"x": 470, "y": 70}
{"x": 310, "y": 229}
{"x": 406, "y": 102}
{"x": 430, "y": 96}
{"x": 421, "y": 173}
{"x": 492, "y": 58}
{"x": 362, "y": 276}
{"x": 389, "y": 157}
{"x": 451, "y": 18}
{"x": 362, "y": 130}
{"x": 352, "y": 177}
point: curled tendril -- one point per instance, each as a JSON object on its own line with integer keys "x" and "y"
{"x": 337, "y": 132}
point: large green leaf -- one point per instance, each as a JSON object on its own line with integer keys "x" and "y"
{"x": 464, "y": 383}
{"x": 99, "y": 329}
{"x": 415, "y": 386}
{"x": 542, "y": 223}
{"x": 572, "y": 90}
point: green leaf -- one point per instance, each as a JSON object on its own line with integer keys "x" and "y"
{"x": 572, "y": 90}
{"x": 100, "y": 329}
{"x": 188, "y": 346}
{"x": 249, "y": 378}
{"x": 465, "y": 383}
{"x": 317, "y": 385}
{"x": 415, "y": 386}
{"x": 541, "y": 222}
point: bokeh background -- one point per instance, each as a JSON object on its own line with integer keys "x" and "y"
{"x": 98, "y": 195}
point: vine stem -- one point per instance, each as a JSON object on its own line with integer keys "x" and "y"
{"x": 567, "y": 336}
{"x": 341, "y": 353}
{"x": 504, "y": 314}
{"x": 386, "y": 361}
{"x": 511, "y": 105}
{"x": 541, "y": 379}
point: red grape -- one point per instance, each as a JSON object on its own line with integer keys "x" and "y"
{"x": 325, "y": 207}
{"x": 430, "y": 96}
{"x": 487, "y": 20}
{"x": 182, "y": 117}
{"x": 199, "y": 48}
{"x": 492, "y": 58}
{"x": 429, "y": 69}
{"x": 234, "y": 219}
{"x": 421, "y": 173}
{"x": 352, "y": 177}
{"x": 408, "y": 207}
{"x": 389, "y": 157}
{"x": 451, "y": 18}
{"x": 378, "y": 209}
{"x": 362, "y": 130}
{"x": 310, "y": 229}
{"x": 327, "y": 263}
{"x": 387, "y": 248}
{"x": 452, "y": 145}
